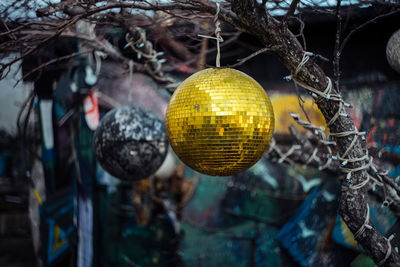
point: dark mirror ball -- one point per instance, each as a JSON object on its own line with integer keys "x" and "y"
{"x": 393, "y": 51}
{"x": 130, "y": 143}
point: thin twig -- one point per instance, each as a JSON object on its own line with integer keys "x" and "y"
{"x": 301, "y": 33}
{"x": 290, "y": 12}
{"x": 336, "y": 53}
{"x": 345, "y": 40}
{"x": 243, "y": 60}
{"x": 301, "y": 102}
{"x": 49, "y": 63}
{"x": 38, "y": 46}
{"x": 8, "y": 30}
{"x": 25, "y": 25}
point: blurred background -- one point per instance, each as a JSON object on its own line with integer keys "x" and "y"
{"x": 60, "y": 207}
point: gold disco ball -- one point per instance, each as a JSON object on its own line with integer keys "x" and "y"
{"x": 219, "y": 121}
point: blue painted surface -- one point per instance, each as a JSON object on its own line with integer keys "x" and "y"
{"x": 3, "y": 163}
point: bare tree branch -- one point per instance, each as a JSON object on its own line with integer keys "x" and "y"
{"x": 243, "y": 60}
{"x": 55, "y": 60}
{"x": 336, "y": 51}
{"x": 290, "y": 12}
{"x": 345, "y": 40}
{"x": 353, "y": 203}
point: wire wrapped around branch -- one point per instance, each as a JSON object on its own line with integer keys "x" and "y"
{"x": 137, "y": 41}
{"x": 313, "y": 149}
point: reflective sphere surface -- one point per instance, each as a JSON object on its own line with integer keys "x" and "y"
{"x": 219, "y": 121}
{"x": 130, "y": 143}
{"x": 393, "y": 51}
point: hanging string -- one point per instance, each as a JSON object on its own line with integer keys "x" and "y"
{"x": 98, "y": 55}
{"x": 130, "y": 81}
{"x": 217, "y": 37}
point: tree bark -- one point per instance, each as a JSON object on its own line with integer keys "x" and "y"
{"x": 283, "y": 43}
